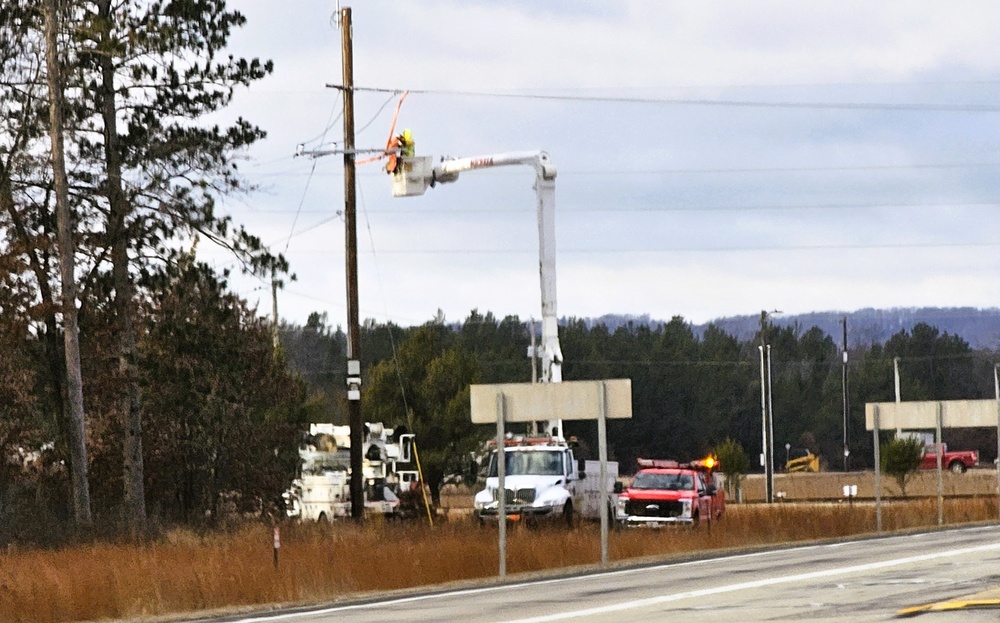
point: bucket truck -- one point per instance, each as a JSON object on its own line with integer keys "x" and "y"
{"x": 416, "y": 173}
{"x": 545, "y": 480}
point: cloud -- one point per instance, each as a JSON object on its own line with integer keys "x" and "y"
{"x": 666, "y": 208}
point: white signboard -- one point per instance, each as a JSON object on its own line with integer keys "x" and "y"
{"x": 568, "y": 400}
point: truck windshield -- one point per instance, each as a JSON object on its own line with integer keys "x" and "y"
{"x": 672, "y": 482}
{"x": 530, "y": 463}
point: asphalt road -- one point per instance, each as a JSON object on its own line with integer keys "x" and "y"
{"x": 865, "y": 580}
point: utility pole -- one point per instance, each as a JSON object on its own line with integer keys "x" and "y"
{"x": 843, "y": 379}
{"x": 766, "y": 418}
{"x": 275, "y": 340}
{"x": 766, "y": 408}
{"x": 351, "y": 254}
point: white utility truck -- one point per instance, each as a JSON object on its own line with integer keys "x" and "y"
{"x": 322, "y": 490}
{"x": 545, "y": 483}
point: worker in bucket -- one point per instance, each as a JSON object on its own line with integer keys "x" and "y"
{"x": 400, "y": 146}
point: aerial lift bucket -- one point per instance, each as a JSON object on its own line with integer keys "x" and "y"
{"x": 412, "y": 176}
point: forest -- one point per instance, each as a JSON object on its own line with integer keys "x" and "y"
{"x": 689, "y": 392}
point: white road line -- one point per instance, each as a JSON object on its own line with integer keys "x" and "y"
{"x": 489, "y": 589}
{"x": 651, "y": 601}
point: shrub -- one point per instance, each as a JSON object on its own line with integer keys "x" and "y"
{"x": 900, "y": 459}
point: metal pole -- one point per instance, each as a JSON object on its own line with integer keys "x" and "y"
{"x": 843, "y": 379}
{"x": 770, "y": 431}
{"x": 602, "y": 453}
{"x": 534, "y": 353}
{"x": 940, "y": 482}
{"x": 501, "y": 485}
{"x": 351, "y": 254}
{"x": 763, "y": 423}
{"x": 996, "y": 388}
{"x": 895, "y": 376}
{"x": 878, "y": 473}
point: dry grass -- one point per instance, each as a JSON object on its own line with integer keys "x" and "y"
{"x": 185, "y": 572}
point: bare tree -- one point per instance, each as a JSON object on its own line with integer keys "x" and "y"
{"x": 67, "y": 265}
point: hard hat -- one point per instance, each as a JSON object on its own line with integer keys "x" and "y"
{"x": 407, "y": 135}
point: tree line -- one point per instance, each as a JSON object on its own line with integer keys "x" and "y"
{"x": 690, "y": 392}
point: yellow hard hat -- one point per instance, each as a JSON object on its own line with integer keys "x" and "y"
{"x": 407, "y": 135}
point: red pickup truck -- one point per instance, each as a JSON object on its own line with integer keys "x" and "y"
{"x": 955, "y": 460}
{"x": 667, "y": 492}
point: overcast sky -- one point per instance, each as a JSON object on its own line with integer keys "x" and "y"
{"x": 714, "y": 159}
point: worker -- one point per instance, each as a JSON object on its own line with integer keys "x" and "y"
{"x": 406, "y": 145}
{"x": 400, "y": 146}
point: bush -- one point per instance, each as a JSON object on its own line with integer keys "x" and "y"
{"x": 900, "y": 459}
{"x": 733, "y": 463}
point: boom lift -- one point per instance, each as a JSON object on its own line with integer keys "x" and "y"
{"x": 416, "y": 174}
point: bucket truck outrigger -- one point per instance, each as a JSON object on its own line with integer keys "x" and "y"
{"x": 545, "y": 481}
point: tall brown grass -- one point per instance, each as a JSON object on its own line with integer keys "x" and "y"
{"x": 184, "y": 572}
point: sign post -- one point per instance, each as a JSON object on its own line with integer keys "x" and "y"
{"x": 533, "y": 402}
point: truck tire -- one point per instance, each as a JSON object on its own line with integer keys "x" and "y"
{"x": 322, "y": 518}
{"x": 957, "y": 467}
{"x": 568, "y": 514}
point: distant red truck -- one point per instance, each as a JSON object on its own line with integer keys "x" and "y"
{"x": 666, "y": 492}
{"x": 955, "y": 460}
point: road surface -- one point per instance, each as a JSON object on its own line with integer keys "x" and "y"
{"x": 863, "y": 580}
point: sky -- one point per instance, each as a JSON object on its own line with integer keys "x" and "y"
{"x": 714, "y": 159}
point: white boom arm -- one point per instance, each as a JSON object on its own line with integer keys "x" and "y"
{"x": 414, "y": 176}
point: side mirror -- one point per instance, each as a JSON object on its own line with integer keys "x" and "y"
{"x": 619, "y": 487}
{"x": 582, "y": 475}
{"x": 710, "y": 489}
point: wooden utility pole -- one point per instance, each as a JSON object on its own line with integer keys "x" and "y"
{"x": 275, "y": 337}
{"x": 351, "y": 254}
{"x": 67, "y": 268}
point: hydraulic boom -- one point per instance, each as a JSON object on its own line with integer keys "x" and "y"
{"x": 416, "y": 173}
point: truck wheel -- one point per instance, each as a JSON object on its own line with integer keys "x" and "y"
{"x": 957, "y": 467}
{"x": 567, "y": 514}
{"x": 322, "y": 518}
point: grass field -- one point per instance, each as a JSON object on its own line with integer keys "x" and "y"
{"x": 186, "y": 572}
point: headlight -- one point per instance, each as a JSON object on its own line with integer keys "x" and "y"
{"x": 686, "y": 507}
{"x": 485, "y": 499}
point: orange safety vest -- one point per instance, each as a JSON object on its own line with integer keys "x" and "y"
{"x": 391, "y": 148}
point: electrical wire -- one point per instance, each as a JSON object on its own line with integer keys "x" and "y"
{"x": 312, "y": 170}
{"x": 649, "y": 251}
{"x": 378, "y": 278}
{"x": 675, "y": 208}
{"x": 848, "y": 106}
{"x": 379, "y": 112}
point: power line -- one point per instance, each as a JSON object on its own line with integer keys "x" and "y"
{"x": 714, "y": 171}
{"x": 671, "y": 208}
{"x": 849, "y": 106}
{"x": 746, "y": 249}
{"x": 305, "y": 191}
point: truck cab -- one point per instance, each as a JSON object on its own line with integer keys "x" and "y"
{"x": 541, "y": 480}
{"x": 665, "y": 492}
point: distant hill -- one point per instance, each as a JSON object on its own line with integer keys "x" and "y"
{"x": 979, "y": 327}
